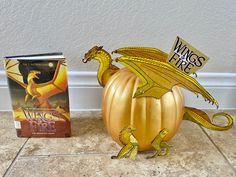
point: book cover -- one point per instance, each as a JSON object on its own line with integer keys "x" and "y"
{"x": 39, "y": 92}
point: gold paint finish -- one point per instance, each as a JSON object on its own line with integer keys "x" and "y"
{"x": 147, "y": 114}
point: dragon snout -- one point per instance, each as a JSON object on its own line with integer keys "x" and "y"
{"x": 131, "y": 128}
{"x": 86, "y": 59}
{"x": 36, "y": 74}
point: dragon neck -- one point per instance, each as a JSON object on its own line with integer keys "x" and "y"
{"x": 104, "y": 59}
{"x": 30, "y": 80}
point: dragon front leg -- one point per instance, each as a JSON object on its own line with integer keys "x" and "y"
{"x": 128, "y": 151}
{"x": 130, "y": 143}
{"x": 133, "y": 152}
{"x": 26, "y": 97}
{"x": 123, "y": 152}
{"x": 158, "y": 144}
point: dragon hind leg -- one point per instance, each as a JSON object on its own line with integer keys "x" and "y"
{"x": 158, "y": 144}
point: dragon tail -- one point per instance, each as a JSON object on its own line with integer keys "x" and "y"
{"x": 202, "y": 119}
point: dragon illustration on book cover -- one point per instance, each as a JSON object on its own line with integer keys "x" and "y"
{"x": 40, "y": 91}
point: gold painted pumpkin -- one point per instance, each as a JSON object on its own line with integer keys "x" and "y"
{"x": 148, "y": 115}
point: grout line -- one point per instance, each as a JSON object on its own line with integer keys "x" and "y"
{"x": 214, "y": 144}
{"x": 67, "y": 155}
{"x": 14, "y": 160}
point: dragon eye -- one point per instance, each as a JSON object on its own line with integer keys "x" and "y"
{"x": 50, "y": 65}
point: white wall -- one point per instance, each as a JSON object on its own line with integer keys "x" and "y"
{"x": 74, "y": 26}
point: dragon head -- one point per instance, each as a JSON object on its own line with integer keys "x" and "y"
{"x": 163, "y": 132}
{"x": 91, "y": 54}
{"x": 128, "y": 129}
{"x": 131, "y": 129}
{"x": 33, "y": 74}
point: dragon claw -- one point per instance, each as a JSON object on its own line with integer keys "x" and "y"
{"x": 153, "y": 156}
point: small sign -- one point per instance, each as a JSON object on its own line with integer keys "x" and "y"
{"x": 185, "y": 57}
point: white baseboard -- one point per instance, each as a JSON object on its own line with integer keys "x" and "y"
{"x": 85, "y": 92}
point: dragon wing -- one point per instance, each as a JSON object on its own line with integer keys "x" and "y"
{"x": 158, "y": 78}
{"x": 144, "y": 52}
{"x": 57, "y": 85}
{"x": 12, "y": 71}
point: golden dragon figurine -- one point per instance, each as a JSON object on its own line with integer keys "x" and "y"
{"x": 141, "y": 60}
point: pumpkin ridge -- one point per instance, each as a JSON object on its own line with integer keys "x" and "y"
{"x": 120, "y": 84}
{"x": 106, "y": 107}
{"x": 148, "y": 119}
{"x": 107, "y": 111}
{"x": 145, "y": 115}
{"x": 111, "y": 94}
{"x": 176, "y": 110}
{"x": 132, "y": 78}
{"x": 133, "y": 101}
{"x": 161, "y": 119}
{"x": 181, "y": 97}
{"x": 109, "y": 84}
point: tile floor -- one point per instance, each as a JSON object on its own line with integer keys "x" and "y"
{"x": 195, "y": 152}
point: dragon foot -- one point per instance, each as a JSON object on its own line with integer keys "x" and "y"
{"x": 130, "y": 143}
{"x": 158, "y": 144}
